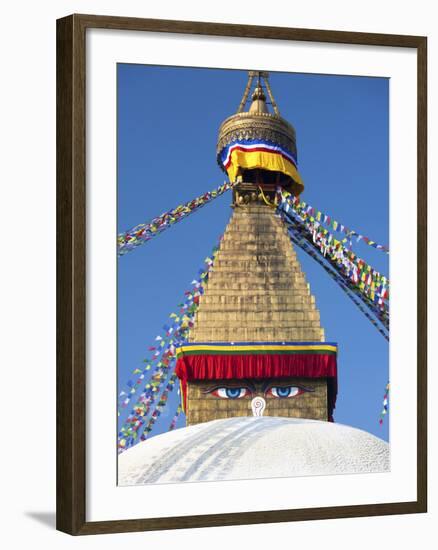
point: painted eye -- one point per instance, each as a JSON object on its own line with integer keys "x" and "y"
{"x": 230, "y": 393}
{"x": 284, "y": 391}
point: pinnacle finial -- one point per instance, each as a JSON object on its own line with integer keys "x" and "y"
{"x": 257, "y": 144}
{"x": 258, "y": 93}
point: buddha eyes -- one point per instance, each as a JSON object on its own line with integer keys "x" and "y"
{"x": 237, "y": 392}
{"x": 231, "y": 392}
{"x": 283, "y": 391}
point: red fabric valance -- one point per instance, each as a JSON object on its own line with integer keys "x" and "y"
{"x": 219, "y": 367}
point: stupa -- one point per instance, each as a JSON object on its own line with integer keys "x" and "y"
{"x": 258, "y": 380}
{"x": 257, "y": 346}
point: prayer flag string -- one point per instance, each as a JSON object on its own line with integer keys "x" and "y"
{"x": 371, "y": 284}
{"x": 301, "y": 239}
{"x": 154, "y": 396}
{"x": 142, "y": 233}
{"x": 306, "y": 248}
{"x": 175, "y": 418}
{"x": 385, "y": 408}
{"x": 306, "y": 210}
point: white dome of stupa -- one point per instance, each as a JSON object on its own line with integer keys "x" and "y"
{"x": 250, "y": 448}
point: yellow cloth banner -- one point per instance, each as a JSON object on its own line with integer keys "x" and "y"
{"x": 264, "y": 160}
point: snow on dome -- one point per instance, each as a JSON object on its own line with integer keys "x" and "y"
{"x": 250, "y": 448}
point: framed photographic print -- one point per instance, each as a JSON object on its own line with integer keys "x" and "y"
{"x": 241, "y": 274}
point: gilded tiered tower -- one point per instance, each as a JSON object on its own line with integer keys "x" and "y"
{"x": 257, "y": 345}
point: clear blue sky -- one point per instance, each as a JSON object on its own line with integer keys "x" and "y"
{"x": 168, "y": 120}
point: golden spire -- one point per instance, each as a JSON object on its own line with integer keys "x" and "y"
{"x": 258, "y": 91}
{"x": 259, "y": 125}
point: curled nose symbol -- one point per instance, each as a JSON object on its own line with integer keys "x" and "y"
{"x": 258, "y": 405}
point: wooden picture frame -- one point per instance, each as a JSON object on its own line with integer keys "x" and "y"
{"x": 71, "y": 273}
